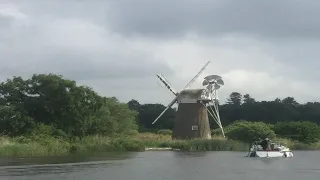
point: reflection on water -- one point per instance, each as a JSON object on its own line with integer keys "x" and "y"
{"x": 50, "y": 169}
{"x": 190, "y": 154}
{"x": 6, "y": 161}
{"x": 58, "y": 164}
{"x": 162, "y": 165}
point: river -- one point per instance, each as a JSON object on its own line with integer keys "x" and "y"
{"x": 162, "y": 166}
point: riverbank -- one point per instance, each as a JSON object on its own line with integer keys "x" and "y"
{"x": 46, "y": 146}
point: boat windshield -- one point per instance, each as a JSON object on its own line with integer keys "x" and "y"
{"x": 273, "y": 146}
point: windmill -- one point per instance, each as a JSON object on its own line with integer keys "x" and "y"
{"x": 194, "y": 105}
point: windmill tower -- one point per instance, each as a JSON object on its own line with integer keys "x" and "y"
{"x": 194, "y": 105}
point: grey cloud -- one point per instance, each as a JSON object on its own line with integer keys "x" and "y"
{"x": 262, "y": 18}
{"x": 5, "y": 22}
{"x": 285, "y": 31}
{"x": 78, "y": 66}
{"x": 280, "y": 19}
{"x": 28, "y": 49}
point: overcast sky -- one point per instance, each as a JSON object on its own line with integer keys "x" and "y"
{"x": 268, "y": 49}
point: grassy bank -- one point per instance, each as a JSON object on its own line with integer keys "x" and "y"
{"x": 215, "y": 144}
{"x": 45, "y": 145}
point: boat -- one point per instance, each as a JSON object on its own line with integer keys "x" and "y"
{"x": 273, "y": 150}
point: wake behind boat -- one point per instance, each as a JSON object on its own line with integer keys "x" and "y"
{"x": 265, "y": 149}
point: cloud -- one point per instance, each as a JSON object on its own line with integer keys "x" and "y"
{"x": 117, "y": 47}
{"x": 277, "y": 19}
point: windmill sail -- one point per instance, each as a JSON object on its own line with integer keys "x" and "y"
{"x": 167, "y": 84}
{"x": 194, "y": 108}
{"x": 195, "y": 77}
{"x": 169, "y": 105}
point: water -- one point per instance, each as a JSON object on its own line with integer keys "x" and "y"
{"x": 162, "y": 166}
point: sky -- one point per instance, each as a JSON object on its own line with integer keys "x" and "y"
{"x": 267, "y": 49}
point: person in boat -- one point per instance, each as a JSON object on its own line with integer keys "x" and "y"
{"x": 265, "y": 144}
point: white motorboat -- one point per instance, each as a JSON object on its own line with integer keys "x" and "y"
{"x": 273, "y": 150}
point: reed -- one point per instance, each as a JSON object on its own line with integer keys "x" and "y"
{"x": 46, "y": 145}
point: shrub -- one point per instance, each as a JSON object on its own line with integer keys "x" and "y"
{"x": 249, "y": 131}
{"x": 42, "y": 129}
{"x": 127, "y": 145}
{"x": 303, "y": 131}
{"x": 216, "y": 132}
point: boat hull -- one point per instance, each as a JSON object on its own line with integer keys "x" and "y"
{"x": 270, "y": 154}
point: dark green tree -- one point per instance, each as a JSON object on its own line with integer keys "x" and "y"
{"x": 247, "y": 99}
{"x": 134, "y": 105}
{"x": 149, "y": 112}
{"x": 235, "y": 98}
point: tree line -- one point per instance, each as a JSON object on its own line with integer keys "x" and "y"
{"x": 237, "y": 107}
{"x": 69, "y": 110}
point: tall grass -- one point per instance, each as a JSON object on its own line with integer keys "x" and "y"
{"x": 216, "y": 144}
{"x": 101, "y": 143}
{"x": 209, "y": 145}
{"x": 296, "y": 145}
{"x": 23, "y": 146}
{"x": 46, "y": 145}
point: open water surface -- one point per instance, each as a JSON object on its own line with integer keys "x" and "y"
{"x": 305, "y": 165}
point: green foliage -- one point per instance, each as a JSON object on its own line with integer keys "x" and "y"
{"x": 303, "y": 131}
{"x": 216, "y": 132}
{"x": 249, "y": 131}
{"x": 44, "y": 146}
{"x": 47, "y": 99}
{"x": 53, "y": 106}
{"x": 149, "y": 112}
{"x": 209, "y": 145}
{"x": 127, "y": 145}
{"x": 164, "y": 132}
{"x": 114, "y": 119}
{"x": 14, "y": 122}
{"x": 43, "y": 130}
{"x": 50, "y": 114}
{"x": 35, "y": 146}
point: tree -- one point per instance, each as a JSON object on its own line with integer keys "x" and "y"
{"x": 13, "y": 122}
{"x": 149, "y": 112}
{"x": 278, "y": 100}
{"x": 134, "y": 105}
{"x": 235, "y": 98}
{"x": 113, "y": 119}
{"x": 48, "y": 99}
{"x": 290, "y": 101}
{"x": 248, "y": 132}
{"x": 247, "y": 99}
{"x": 302, "y": 131}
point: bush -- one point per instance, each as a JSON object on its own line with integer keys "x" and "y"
{"x": 164, "y": 132}
{"x": 42, "y": 129}
{"x": 303, "y": 131}
{"x": 249, "y": 131}
{"x": 127, "y": 145}
{"x": 216, "y": 132}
